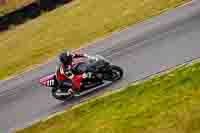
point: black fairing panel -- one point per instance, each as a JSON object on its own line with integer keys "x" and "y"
{"x": 93, "y": 67}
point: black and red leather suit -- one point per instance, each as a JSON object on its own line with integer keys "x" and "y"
{"x": 65, "y": 76}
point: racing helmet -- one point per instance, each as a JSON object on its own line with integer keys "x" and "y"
{"x": 66, "y": 58}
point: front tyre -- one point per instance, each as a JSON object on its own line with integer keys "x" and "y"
{"x": 116, "y": 73}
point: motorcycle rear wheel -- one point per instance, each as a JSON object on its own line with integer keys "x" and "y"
{"x": 54, "y": 92}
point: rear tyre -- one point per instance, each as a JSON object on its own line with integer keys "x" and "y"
{"x": 55, "y": 93}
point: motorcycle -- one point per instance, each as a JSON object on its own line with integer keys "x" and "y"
{"x": 103, "y": 72}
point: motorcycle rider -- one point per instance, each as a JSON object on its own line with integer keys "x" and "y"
{"x": 64, "y": 74}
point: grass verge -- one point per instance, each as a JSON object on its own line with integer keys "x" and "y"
{"x": 71, "y": 27}
{"x": 168, "y": 103}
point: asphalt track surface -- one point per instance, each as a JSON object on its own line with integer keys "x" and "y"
{"x": 142, "y": 50}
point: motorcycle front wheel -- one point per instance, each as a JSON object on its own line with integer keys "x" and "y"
{"x": 115, "y": 73}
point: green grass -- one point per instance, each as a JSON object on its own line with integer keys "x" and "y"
{"x": 168, "y": 103}
{"x": 70, "y": 27}
{"x": 12, "y": 5}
